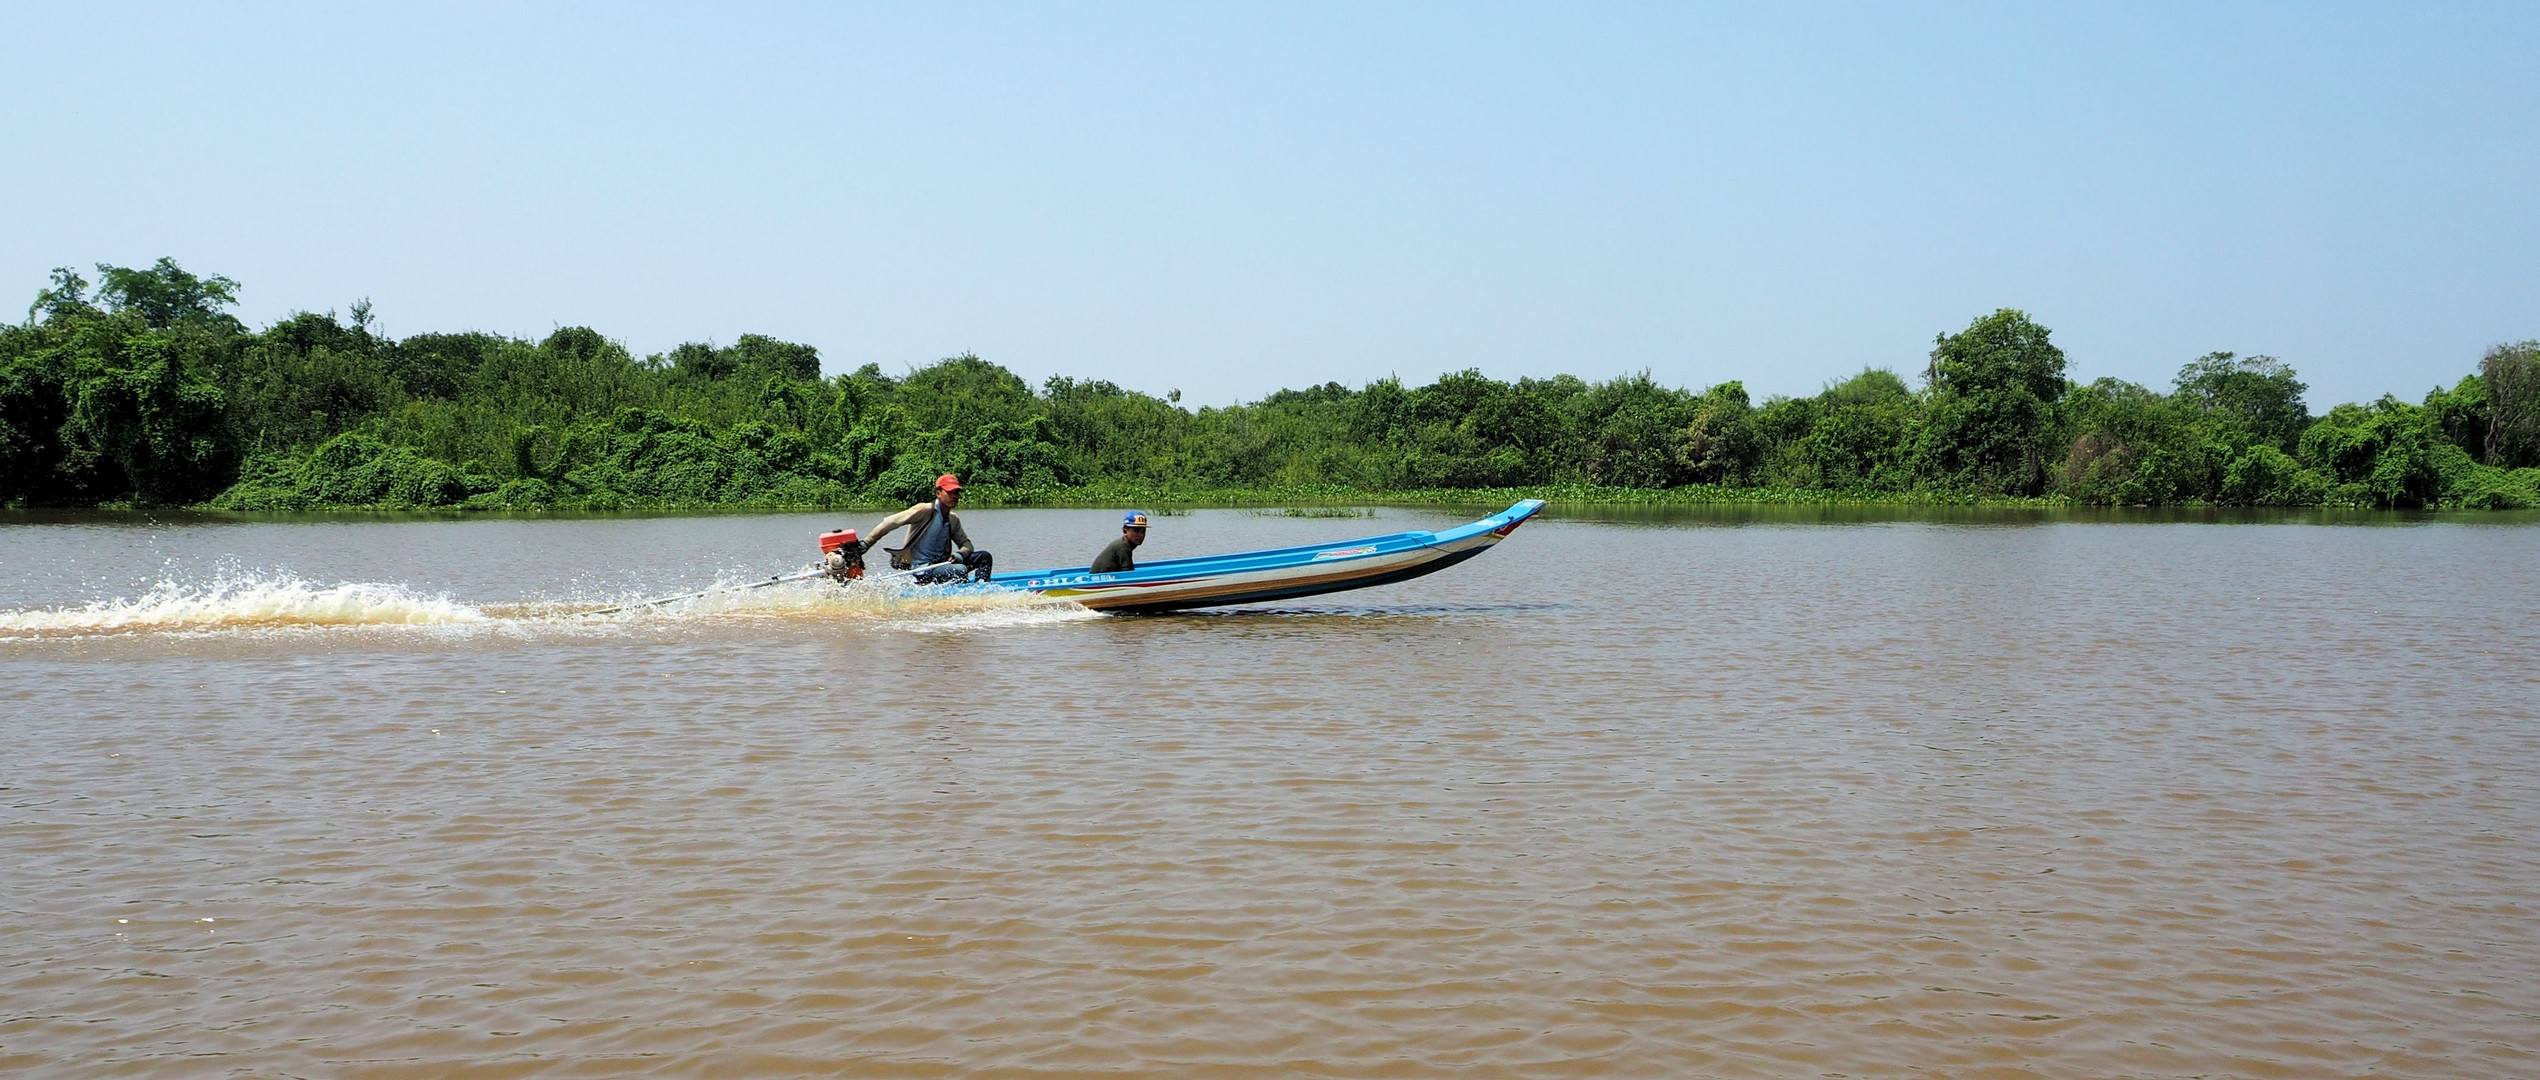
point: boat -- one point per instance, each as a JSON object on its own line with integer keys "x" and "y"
{"x": 1252, "y": 577}
{"x": 1248, "y": 577}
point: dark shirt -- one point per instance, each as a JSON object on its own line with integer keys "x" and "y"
{"x": 934, "y": 542}
{"x": 1115, "y": 558}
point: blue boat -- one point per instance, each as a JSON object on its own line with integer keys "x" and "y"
{"x": 1278, "y": 574}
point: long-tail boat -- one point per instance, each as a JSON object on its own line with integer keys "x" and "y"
{"x": 1251, "y": 577}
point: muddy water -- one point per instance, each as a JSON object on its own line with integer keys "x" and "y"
{"x": 1954, "y": 797}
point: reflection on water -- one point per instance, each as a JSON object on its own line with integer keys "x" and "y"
{"x": 2042, "y": 797}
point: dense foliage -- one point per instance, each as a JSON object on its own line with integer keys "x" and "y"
{"x": 144, "y": 390}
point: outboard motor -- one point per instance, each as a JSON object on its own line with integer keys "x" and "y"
{"x": 842, "y": 554}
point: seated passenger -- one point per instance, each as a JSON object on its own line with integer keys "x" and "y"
{"x": 1116, "y": 558}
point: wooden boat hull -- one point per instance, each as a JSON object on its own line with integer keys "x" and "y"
{"x": 1253, "y": 577}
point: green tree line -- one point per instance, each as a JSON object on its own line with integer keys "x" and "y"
{"x": 141, "y": 389}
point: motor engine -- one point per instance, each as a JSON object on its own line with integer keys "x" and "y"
{"x": 843, "y": 554}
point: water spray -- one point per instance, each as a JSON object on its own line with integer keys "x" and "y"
{"x": 779, "y": 579}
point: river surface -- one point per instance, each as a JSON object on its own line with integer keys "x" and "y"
{"x": 1706, "y": 795}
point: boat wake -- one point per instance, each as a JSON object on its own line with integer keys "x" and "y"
{"x": 244, "y": 603}
{"x": 267, "y": 603}
{"x": 903, "y": 606}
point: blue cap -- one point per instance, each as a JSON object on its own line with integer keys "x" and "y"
{"x": 1134, "y": 519}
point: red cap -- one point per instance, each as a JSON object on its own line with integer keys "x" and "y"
{"x": 947, "y": 482}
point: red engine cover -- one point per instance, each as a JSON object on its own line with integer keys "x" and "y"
{"x": 832, "y": 541}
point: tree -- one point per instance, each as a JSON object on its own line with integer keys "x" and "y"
{"x": 67, "y": 297}
{"x": 164, "y": 295}
{"x": 2258, "y": 391}
{"x": 2463, "y": 415}
{"x": 1852, "y": 435}
{"x": 1999, "y": 353}
{"x": 965, "y": 391}
{"x": 1522, "y": 432}
{"x": 1873, "y": 386}
{"x": 1994, "y": 386}
{"x": 784, "y": 358}
{"x": 2512, "y": 375}
{"x": 439, "y": 365}
{"x": 2136, "y": 446}
{"x": 306, "y": 379}
{"x": 1629, "y": 430}
{"x": 120, "y": 401}
{"x": 579, "y": 343}
{"x": 700, "y": 360}
{"x": 1720, "y": 444}
{"x": 145, "y": 427}
{"x": 32, "y": 410}
{"x": 766, "y": 354}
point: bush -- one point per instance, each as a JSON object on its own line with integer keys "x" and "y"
{"x": 357, "y": 470}
{"x": 2485, "y": 487}
{"x": 2385, "y": 455}
{"x": 2265, "y": 476}
{"x": 353, "y": 470}
{"x": 529, "y": 493}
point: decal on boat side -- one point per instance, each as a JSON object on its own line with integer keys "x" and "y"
{"x": 1343, "y": 553}
{"x": 1064, "y": 580}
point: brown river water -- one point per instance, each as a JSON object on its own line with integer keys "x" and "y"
{"x": 1722, "y": 794}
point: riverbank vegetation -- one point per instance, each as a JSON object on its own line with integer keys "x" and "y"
{"x": 141, "y": 389}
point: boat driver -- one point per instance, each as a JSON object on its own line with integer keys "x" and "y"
{"x": 1116, "y": 558}
{"x": 934, "y": 534}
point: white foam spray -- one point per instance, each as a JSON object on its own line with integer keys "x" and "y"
{"x": 900, "y": 605}
{"x": 251, "y": 602}
{"x": 245, "y": 602}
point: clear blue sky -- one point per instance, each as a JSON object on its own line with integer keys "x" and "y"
{"x": 1227, "y": 200}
